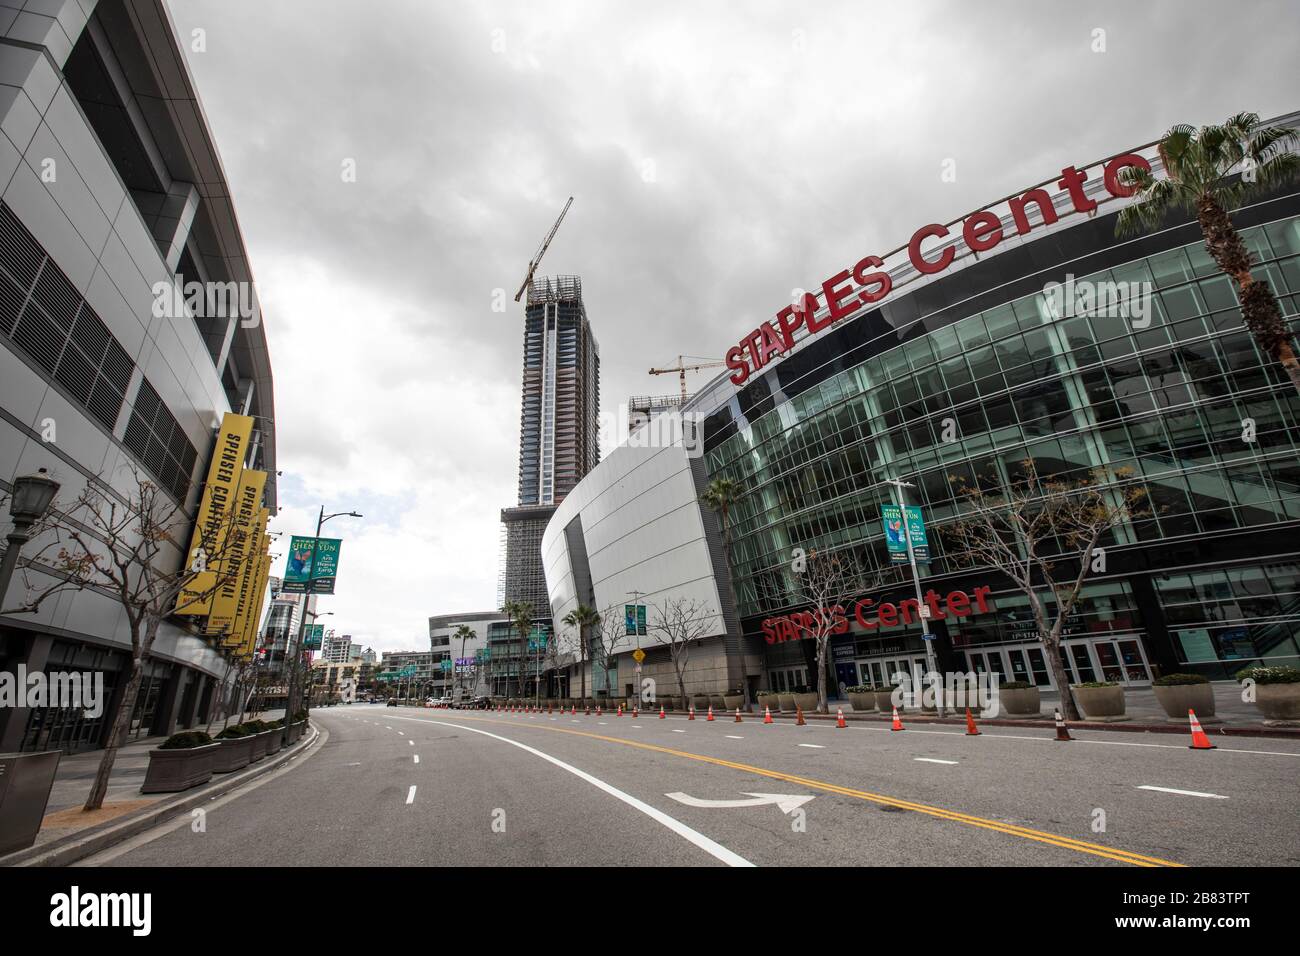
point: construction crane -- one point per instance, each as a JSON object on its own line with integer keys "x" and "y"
{"x": 681, "y": 369}
{"x": 541, "y": 251}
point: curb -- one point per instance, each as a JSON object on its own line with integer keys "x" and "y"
{"x": 1224, "y": 730}
{"x": 84, "y": 843}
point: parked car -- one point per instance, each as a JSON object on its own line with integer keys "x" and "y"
{"x": 482, "y": 702}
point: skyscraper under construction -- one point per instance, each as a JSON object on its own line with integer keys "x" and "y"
{"x": 559, "y": 435}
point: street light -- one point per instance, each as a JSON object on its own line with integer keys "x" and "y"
{"x": 31, "y": 499}
{"x": 295, "y": 654}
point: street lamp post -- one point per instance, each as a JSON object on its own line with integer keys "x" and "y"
{"x": 32, "y": 497}
{"x": 295, "y": 653}
{"x": 922, "y": 608}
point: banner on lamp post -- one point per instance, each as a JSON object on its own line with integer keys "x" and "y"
{"x": 313, "y": 565}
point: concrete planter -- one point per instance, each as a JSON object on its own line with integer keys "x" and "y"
{"x": 25, "y": 784}
{"x": 884, "y": 701}
{"x": 862, "y": 701}
{"x": 769, "y": 702}
{"x": 233, "y": 754}
{"x": 261, "y": 742}
{"x": 733, "y": 701}
{"x": 1178, "y": 699}
{"x": 1279, "y": 702}
{"x": 276, "y": 739}
{"x": 808, "y": 702}
{"x": 1100, "y": 703}
{"x": 787, "y": 702}
{"x": 718, "y": 702}
{"x": 700, "y": 701}
{"x": 171, "y": 771}
{"x": 1020, "y": 702}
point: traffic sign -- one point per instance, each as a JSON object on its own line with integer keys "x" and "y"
{"x": 638, "y": 655}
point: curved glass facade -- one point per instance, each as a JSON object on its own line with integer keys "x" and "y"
{"x": 1183, "y": 399}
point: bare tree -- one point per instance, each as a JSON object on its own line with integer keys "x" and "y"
{"x": 1045, "y": 534}
{"x": 133, "y": 547}
{"x": 680, "y": 623}
{"x": 823, "y": 581}
{"x": 610, "y": 632}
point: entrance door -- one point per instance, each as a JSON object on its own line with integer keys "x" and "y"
{"x": 1121, "y": 660}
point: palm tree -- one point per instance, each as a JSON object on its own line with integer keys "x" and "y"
{"x": 583, "y": 618}
{"x": 465, "y": 633}
{"x": 1198, "y": 168}
{"x": 521, "y": 616}
{"x": 720, "y": 496}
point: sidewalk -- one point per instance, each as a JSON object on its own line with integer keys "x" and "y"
{"x": 64, "y": 817}
{"x": 1232, "y": 715}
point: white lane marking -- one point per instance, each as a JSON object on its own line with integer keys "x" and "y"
{"x": 410, "y": 795}
{"x": 787, "y": 802}
{"x": 714, "y": 849}
{"x": 934, "y": 760}
{"x": 575, "y": 721}
{"x": 813, "y": 746}
{"x": 679, "y": 731}
{"x": 400, "y": 734}
{"x": 636, "y": 726}
{"x": 1186, "y": 793}
{"x": 388, "y": 728}
{"x": 411, "y": 742}
{"x": 602, "y": 723}
{"x": 416, "y": 757}
{"x": 734, "y": 737}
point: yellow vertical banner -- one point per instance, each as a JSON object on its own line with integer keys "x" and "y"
{"x": 248, "y": 579}
{"x": 216, "y": 507}
{"x": 234, "y": 558}
{"x": 253, "y": 610}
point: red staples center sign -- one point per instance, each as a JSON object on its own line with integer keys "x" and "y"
{"x": 871, "y": 616}
{"x": 980, "y": 231}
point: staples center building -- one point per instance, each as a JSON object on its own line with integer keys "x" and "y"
{"x": 952, "y": 356}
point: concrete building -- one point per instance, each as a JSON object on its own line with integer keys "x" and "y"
{"x": 472, "y": 671}
{"x": 112, "y": 193}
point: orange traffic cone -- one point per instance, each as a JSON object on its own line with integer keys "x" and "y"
{"x": 798, "y": 717}
{"x": 586, "y": 710}
{"x": 620, "y": 711}
{"x": 1199, "y": 740}
{"x": 738, "y": 720}
{"x": 897, "y": 724}
{"x": 598, "y": 713}
{"x": 767, "y": 715}
{"x": 710, "y": 717}
{"x": 634, "y": 712}
{"x": 662, "y": 715}
{"x": 839, "y": 718}
{"x": 971, "y": 729}
{"x": 1062, "y": 732}
{"x": 573, "y": 710}
{"x": 692, "y": 714}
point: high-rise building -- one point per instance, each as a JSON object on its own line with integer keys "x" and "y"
{"x": 559, "y": 433}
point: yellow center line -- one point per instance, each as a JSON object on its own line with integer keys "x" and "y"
{"x": 1039, "y": 836}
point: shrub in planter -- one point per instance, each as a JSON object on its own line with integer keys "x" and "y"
{"x": 1019, "y": 698}
{"x": 1099, "y": 699}
{"x": 1277, "y": 691}
{"x": 181, "y": 761}
{"x": 884, "y": 694}
{"x": 235, "y": 752}
{"x": 862, "y": 697}
{"x": 1179, "y": 693}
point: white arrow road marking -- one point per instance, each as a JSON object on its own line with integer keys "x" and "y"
{"x": 934, "y": 760}
{"x": 410, "y": 794}
{"x": 787, "y": 802}
{"x": 714, "y": 849}
{"x": 813, "y": 746}
{"x": 1186, "y": 793}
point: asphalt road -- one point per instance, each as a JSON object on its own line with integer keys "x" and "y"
{"x": 407, "y": 787}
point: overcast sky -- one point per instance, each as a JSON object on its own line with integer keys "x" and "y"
{"x": 720, "y": 155}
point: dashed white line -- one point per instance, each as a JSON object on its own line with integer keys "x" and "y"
{"x": 411, "y": 742}
{"x": 813, "y": 746}
{"x": 679, "y": 731}
{"x": 1185, "y": 793}
{"x": 734, "y": 737}
{"x": 416, "y": 757}
{"x": 410, "y": 795}
{"x": 935, "y": 760}
{"x": 400, "y": 734}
